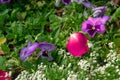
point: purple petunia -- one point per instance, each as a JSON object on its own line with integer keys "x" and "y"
{"x": 5, "y": 1}
{"x": 45, "y": 50}
{"x": 95, "y": 25}
{"x": 29, "y": 50}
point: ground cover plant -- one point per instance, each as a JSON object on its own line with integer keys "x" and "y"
{"x": 59, "y": 40}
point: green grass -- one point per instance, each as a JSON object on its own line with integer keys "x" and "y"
{"x": 38, "y": 21}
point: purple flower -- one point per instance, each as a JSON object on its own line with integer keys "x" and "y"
{"x": 95, "y": 25}
{"x": 99, "y": 11}
{"x": 45, "y": 50}
{"x": 66, "y": 2}
{"x": 27, "y": 51}
{"x": 88, "y": 4}
{"x": 5, "y": 1}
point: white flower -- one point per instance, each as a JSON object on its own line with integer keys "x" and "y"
{"x": 84, "y": 64}
{"x": 90, "y": 45}
{"x": 110, "y": 44}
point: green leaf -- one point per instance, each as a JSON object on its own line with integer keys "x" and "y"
{"x": 28, "y": 66}
{"x": 117, "y": 41}
{"x": 2, "y": 63}
{"x": 116, "y": 15}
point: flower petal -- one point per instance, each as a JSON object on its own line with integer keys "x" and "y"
{"x": 45, "y": 55}
{"x": 77, "y": 44}
{"x": 2, "y": 73}
{"x": 23, "y": 53}
{"x": 66, "y": 2}
{"x": 91, "y": 33}
{"x": 27, "y": 51}
{"x": 32, "y": 48}
{"x": 101, "y": 29}
{"x": 45, "y": 46}
{"x": 5, "y": 1}
{"x": 86, "y": 25}
{"x": 88, "y": 4}
{"x": 105, "y": 19}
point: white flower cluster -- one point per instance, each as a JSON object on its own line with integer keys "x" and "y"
{"x": 72, "y": 76}
{"x": 111, "y": 44}
{"x": 112, "y": 56}
{"x": 38, "y": 75}
{"x": 84, "y": 64}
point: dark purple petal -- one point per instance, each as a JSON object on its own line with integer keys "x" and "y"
{"x": 5, "y": 1}
{"x": 45, "y": 46}
{"x": 86, "y": 25}
{"x": 66, "y": 2}
{"x": 45, "y": 54}
{"x": 89, "y": 26}
{"x": 91, "y": 33}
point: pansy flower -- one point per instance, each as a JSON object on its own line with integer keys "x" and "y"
{"x": 45, "y": 50}
{"x": 77, "y": 44}
{"x": 5, "y": 1}
{"x": 95, "y": 25}
{"x": 28, "y": 50}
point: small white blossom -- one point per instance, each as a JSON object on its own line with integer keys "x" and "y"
{"x": 110, "y": 44}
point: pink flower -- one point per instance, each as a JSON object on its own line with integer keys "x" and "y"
{"x": 77, "y": 44}
{"x": 4, "y": 76}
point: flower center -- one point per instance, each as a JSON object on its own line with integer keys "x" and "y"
{"x": 93, "y": 28}
{"x": 45, "y": 53}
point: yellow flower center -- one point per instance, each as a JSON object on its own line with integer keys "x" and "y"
{"x": 93, "y": 28}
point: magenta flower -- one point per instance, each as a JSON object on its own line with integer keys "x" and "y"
{"x": 5, "y": 1}
{"x": 27, "y": 51}
{"x": 95, "y": 25}
{"x": 77, "y": 44}
{"x": 45, "y": 50}
{"x": 4, "y": 76}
